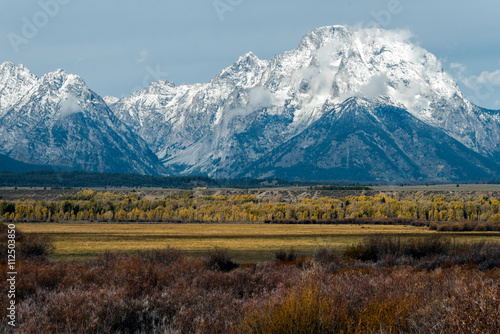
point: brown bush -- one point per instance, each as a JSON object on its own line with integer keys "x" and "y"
{"x": 27, "y": 245}
{"x": 218, "y": 259}
{"x": 465, "y": 226}
{"x": 305, "y": 310}
{"x": 164, "y": 291}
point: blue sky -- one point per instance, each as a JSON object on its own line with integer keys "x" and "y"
{"x": 119, "y": 46}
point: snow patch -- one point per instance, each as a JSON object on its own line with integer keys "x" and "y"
{"x": 110, "y": 99}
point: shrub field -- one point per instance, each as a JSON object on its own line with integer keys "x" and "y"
{"x": 424, "y": 284}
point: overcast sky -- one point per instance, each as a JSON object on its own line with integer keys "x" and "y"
{"x": 119, "y": 46}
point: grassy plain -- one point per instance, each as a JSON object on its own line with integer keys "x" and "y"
{"x": 244, "y": 242}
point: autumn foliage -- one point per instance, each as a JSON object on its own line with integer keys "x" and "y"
{"x": 462, "y": 212}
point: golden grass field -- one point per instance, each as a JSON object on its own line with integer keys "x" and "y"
{"x": 245, "y": 242}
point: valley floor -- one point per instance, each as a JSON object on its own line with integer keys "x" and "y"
{"x": 396, "y": 275}
{"x": 244, "y": 242}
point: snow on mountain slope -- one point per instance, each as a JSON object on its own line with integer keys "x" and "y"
{"x": 57, "y": 120}
{"x": 254, "y": 105}
{"x": 371, "y": 140}
{"x": 110, "y": 99}
{"x": 15, "y": 82}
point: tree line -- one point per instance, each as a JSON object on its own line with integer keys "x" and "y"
{"x": 88, "y": 205}
{"x": 80, "y": 179}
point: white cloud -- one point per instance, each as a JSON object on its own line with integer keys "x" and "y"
{"x": 484, "y": 79}
{"x": 489, "y": 77}
{"x": 143, "y": 56}
{"x": 69, "y": 106}
{"x": 375, "y": 87}
{"x": 474, "y": 82}
{"x": 459, "y": 67}
{"x": 388, "y": 36}
{"x": 259, "y": 97}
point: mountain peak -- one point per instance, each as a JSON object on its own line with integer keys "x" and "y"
{"x": 243, "y": 73}
{"x": 9, "y": 68}
{"x": 319, "y": 37}
{"x": 58, "y": 120}
{"x": 162, "y": 83}
{"x": 247, "y": 61}
{"x": 6, "y": 65}
{"x": 247, "y": 57}
{"x": 110, "y": 99}
{"x": 57, "y": 74}
{"x": 59, "y": 78}
{"x": 15, "y": 82}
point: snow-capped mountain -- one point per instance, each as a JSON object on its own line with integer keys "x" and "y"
{"x": 15, "y": 82}
{"x": 354, "y": 104}
{"x": 58, "y": 120}
{"x": 254, "y": 106}
{"x": 369, "y": 139}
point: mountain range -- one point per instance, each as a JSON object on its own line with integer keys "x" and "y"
{"x": 346, "y": 104}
